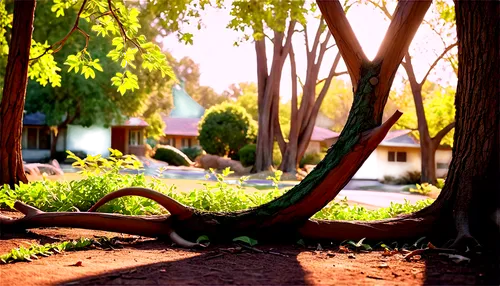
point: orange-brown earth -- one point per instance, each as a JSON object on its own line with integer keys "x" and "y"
{"x": 142, "y": 261}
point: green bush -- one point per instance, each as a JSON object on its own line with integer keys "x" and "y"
{"x": 425, "y": 189}
{"x": 311, "y": 159}
{"x": 192, "y": 152}
{"x": 226, "y": 128}
{"x": 409, "y": 178}
{"x": 247, "y": 155}
{"x": 172, "y": 156}
{"x": 62, "y": 157}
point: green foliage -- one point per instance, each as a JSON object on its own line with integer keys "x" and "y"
{"x": 87, "y": 102}
{"x": 247, "y": 155}
{"x": 172, "y": 156}
{"x": 439, "y": 109}
{"x": 342, "y": 211}
{"x": 425, "y": 189}
{"x": 311, "y": 159}
{"x": 246, "y": 240}
{"x": 225, "y": 129}
{"x": 192, "y": 152}
{"x": 28, "y": 254}
{"x": 358, "y": 245}
{"x": 409, "y": 178}
{"x": 218, "y": 196}
{"x": 63, "y": 156}
{"x": 117, "y": 22}
{"x": 253, "y": 18}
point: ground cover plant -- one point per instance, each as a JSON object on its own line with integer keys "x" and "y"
{"x": 102, "y": 176}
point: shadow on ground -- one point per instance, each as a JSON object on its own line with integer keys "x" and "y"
{"x": 211, "y": 267}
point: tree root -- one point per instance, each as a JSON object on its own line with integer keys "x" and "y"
{"x": 174, "y": 207}
{"x": 144, "y": 226}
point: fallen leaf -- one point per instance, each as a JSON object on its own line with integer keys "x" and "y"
{"x": 78, "y": 263}
{"x": 343, "y": 249}
{"x": 383, "y": 265}
{"x": 351, "y": 256}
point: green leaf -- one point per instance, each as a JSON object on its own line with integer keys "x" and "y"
{"x": 203, "y": 238}
{"x": 246, "y": 239}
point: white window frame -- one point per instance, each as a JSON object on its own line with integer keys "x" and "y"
{"x": 134, "y": 137}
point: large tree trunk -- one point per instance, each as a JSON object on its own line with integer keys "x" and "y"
{"x": 14, "y": 92}
{"x": 472, "y": 189}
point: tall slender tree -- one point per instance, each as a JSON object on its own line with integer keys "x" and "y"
{"x": 303, "y": 117}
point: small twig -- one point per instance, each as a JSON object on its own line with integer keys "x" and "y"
{"x": 251, "y": 248}
{"x": 214, "y": 256}
{"x": 428, "y": 251}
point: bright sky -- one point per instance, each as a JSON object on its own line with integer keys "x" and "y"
{"x": 222, "y": 64}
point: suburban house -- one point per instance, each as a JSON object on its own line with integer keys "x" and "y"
{"x": 182, "y": 124}
{"x": 398, "y": 154}
{"x": 127, "y": 137}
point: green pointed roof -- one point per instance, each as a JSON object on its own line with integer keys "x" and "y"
{"x": 184, "y": 105}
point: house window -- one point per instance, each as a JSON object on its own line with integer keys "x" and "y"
{"x": 135, "y": 138}
{"x": 183, "y": 142}
{"x": 396, "y": 156}
{"x": 442, "y": 165}
{"x": 189, "y": 143}
{"x": 401, "y": 156}
{"x": 37, "y": 138}
{"x": 391, "y": 157}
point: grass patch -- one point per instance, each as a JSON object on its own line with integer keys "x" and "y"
{"x": 35, "y": 250}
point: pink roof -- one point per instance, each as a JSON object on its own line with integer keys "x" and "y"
{"x": 396, "y": 133}
{"x": 321, "y": 134}
{"x": 134, "y": 121}
{"x": 181, "y": 126}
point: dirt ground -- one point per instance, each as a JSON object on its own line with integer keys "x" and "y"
{"x": 145, "y": 261}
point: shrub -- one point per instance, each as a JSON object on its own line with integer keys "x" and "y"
{"x": 425, "y": 189}
{"x": 192, "y": 152}
{"x": 62, "y": 157}
{"x": 225, "y": 129}
{"x": 247, "y": 155}
{"x": 409, "y": 178}
{"x": 172, "y": 156}
{"x": 311, "y": 159}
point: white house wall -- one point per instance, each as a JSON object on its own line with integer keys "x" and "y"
{"x": 398, "y": 169}
{"x": 369, "y": 170}
{"x": 442, "y": 156}
{"x": 91, "y": 140}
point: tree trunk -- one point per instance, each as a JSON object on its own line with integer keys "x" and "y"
{"x": 53, "y": 143}
{"x": 473, "y": 186}
{"x": 268, "y": 95}
{"x": 14, "y": 92}
{"x": 428, "y": 163}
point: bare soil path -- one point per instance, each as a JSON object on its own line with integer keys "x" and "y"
{"x": 144, "y": 261}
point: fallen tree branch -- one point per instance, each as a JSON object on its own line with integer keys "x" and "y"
{"x": 174, "y": 207}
